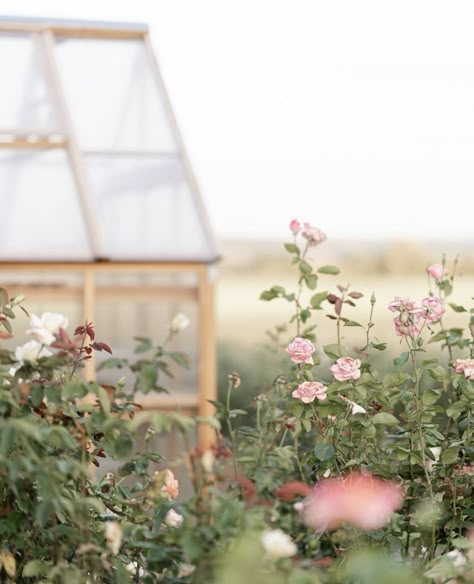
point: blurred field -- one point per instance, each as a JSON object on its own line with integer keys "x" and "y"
{"x": 396, "y": 269}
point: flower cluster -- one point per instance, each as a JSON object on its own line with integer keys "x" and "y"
{"x": 412, "y": 318}
{"x": 45, "y": 331}
{"x": 312, "y": 234}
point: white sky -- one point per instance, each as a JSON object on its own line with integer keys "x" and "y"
{"x": 356, "y": 115}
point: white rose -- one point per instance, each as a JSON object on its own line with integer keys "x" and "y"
{"x": 173, "y": 518}
{"x": 357, "y": 409}
{"x": 45, "y": 328}
{"x": 207, "y": 461}
{"x": 31, "y": 351}
{"x": 278, "y": 544}
{"x": 179, "y": 322}
{"x": 113, "y": 536}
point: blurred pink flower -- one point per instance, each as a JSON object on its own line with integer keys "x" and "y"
{"x": 361, "y": 500}
{"x": 407, "y": 327}
{"x": 402, "y": 304}
{"x": 346, "y": 368}
{"x": 309, "y": 390}
{"x": 436, "y": 271}
{"x": 466, "y": 367}
{"x": 295, "y": 226}
{"x": 171, "y": 486}
{"x": 313, "y": 234}
{"x": 300, "y": 350}
{"x": 434, "y": 308}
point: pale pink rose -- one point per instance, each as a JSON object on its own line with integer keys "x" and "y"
{"x": 407, "y": 327}
{"x": 300, "y": 350}
{"x": 313, "y": 234}
{"x": 295, "y": 226}
{"x": 436, "y": 271}
{"x": 171, "y": 487}
{"x": 309, "y": 390}
{"x": 361, "y": 500}
{"x": 434, "y": 308}
{"x": 466, "y": 367}
{"x": 346, "y": 368}
{"x": 402, "y": 304}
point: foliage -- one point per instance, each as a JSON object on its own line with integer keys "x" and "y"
{"x": 334, "y": 473}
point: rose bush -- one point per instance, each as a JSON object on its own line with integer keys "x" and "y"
{"x": 344, "y": 474}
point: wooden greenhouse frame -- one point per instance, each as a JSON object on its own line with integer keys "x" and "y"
{"x": 45, "y": 34}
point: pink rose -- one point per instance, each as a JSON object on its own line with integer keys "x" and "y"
{"x": 346, "y": 368}
{"x": 466, "y": 367}
{"x": 313, "y": 234}
{"x": 295, "y": 226}
{"x": 434, "y": 308}
{"x": 170, "y": 489}
{"x": 400, "y": 304}
{"x": 309, "y": 390}
{"x": 407, "y": 327}
{"x": 362, "y": 500}
{"x": 436, "y": 271}
{"x": 300, "y": 351}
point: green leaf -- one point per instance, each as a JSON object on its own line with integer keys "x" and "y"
{"x": 331, "y": 270}
{"x": 147, "y": 378}
{"x": 144, "y": 344}
{"x": 334, "y": 351}
{"x": 450, "y": 455}
{"x": 399, "y": 362}
{"x": 292, "y": 248}
{"x": 440, "y": 336}
{"x": 316, "y": 299}
{"x": 323, "y": 452}
{"x": 210, "y": 421}
{"x": 430, "y": 396}
{"x": 456, "y": 409}
{"x": 351, "y": 323}
{"x": 268, "y": 295}
{"x": 75, "y": 390}
{"x": 395, "y": 379}
{"x": 103, "y": 399}
{"x": 457, "y": 307}
{"x": 311, "y": 281}
{"x": 123, "y": 445}
{"x": 180, "y": 359}
{"x": 35, "y": 568}
{"x": 3, "y": 297}
{"x": 113, "y": 363}
{"x": 385, "y": 418}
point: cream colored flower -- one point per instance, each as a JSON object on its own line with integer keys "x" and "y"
{"x": 179, "y": 322}
{"x": 278, "y": 544}
{"x": 173, "y": 519}
{"x": 31, "y": 351}
{"x": 113, "y": 536}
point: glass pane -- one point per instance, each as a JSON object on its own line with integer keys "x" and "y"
{"x": 41, "y": 218}
{"x": 24, "y": 99}
{"x": 146, "y": 209}
{"x": 113, "y": 96}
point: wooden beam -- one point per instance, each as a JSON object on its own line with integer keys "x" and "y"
{"x": 82, "y": 184}
{"x": 29, "y": 144}
{"x": 118, "y": 293}
{"x": 207, "y": 367}
{"x": 105, "y": 266}
{"x": 73, "y": 30}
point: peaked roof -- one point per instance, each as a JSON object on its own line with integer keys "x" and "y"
{"x": 92, "y": 164}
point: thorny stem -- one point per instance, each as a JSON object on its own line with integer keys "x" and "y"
{"x": 298, "y": 295}
{"x": 231, "y": 430}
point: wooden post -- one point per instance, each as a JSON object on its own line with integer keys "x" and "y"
{"x": 207, "y": 367}
{"x": 88, "y": 303}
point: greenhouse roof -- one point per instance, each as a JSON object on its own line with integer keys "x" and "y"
{"x": 92, "y": 163}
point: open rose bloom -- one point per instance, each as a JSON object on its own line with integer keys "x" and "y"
{"x": 361, "y": 500}
{"x": 301, "y": 350}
